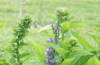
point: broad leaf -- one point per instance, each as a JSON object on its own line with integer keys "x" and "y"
{"x": 77, "y": 25}
{"x": 96, "y": 38}
{"x": 47, "y": 27}
{"x": 84, "y": 42}
{"x": 93, "y": 61}
{"x": 67, "y": 61}
{"x": 82, "y": 60}
{"x": 65, "y": 27}
{"x": 39, "y": 49}
{"x": 62, "y": 52}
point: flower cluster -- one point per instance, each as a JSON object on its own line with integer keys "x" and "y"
{"x": 49, "y": 59}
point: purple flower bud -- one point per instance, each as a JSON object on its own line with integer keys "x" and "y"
{"x": 47, "y": 60}
{"x": 50, "y": 40}
{"x": 57, "y": 41}
{"x": 48, "y": 52}
{"x": 50, "y": 48}
{"x": 44, "y": 52}
{"x": 54, "y": 61}
{"x": 53, "y": 27}
{"x": 58, "y": 31}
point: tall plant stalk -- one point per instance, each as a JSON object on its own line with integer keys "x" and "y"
{"x": 18, "y": 41}
{"x": 62, "y": 16}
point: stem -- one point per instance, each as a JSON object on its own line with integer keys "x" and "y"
{"x": 62, "y": 37}
{"x": 57, "y": 27}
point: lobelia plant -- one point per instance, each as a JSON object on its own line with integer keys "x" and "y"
{"x": 68, "y": 46}
{"x": 62, "y": 16}
{"x": 63, "y": 41}
{"x": 18, "y": 41}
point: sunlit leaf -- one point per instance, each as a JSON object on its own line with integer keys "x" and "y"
{"x": 93, "y": 61}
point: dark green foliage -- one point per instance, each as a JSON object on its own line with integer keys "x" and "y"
{"x": 19, "y": 33}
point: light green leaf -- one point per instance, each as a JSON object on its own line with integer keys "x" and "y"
{"x": 77, "y": 25}
{"x": 96, "y": 38}
{"x": 53, "y": 16}
{"x": 93, "y": 61}
{"x": 67, "y": 61}
{"x": 2, "y": 24}
{"x": 78, "y": 51}
{"x": 82, "y": 60}
{"x": 62, "y": 52}
{"x": 39, "y": 49}
{"x": 47, "y": 27}
{"x": 65, "y": 27}
{"x": 84, "y": 42}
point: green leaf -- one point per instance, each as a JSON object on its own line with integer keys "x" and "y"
{"x": 62, "y": 52}
{"x": 39, "y": 49}
{"x": 13, "y": 60}
{"x": 96, "y": 38}
{"x": 79, "y": 51}
{"x": 53, "y": 16}
{"x": 84, "y": 42}
{"x": 2, "y": 24}
{"x": 26, "y": 54}
{"x": 67, "y": 61}
{"x": 93, "y": 61}
{"x": 82, "y": 60}
{"x": 47, "y": 27}
{"x": 65, "y": 27}
{"x": 77, "y": 25}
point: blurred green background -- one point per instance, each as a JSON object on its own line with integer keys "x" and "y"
{"x": 86, "y": 11}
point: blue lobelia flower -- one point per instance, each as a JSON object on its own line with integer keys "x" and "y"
{"x": 58, "y": 31}
{"x": 50, "y": 40}
{"x": 47, "y": 60}
{"x": 48, "y": 52}
{"x": 53, "y": 27}
{"x": 54, "y": 61}
{"x": 57, "y": 41}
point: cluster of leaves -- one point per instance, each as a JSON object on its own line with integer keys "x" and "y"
{"x": 18, "y": 41}
{"x": 73, "y": 47}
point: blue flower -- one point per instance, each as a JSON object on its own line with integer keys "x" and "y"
{"x": 53, "y": 27}
{"x": 50, "y": 40}
{"x": 54, "y": 61}
{"x": 58, "y": 31}
{"x": 47, "y": 60}
{"x": 57, "y": 41}
{"x": 48, "y": 52}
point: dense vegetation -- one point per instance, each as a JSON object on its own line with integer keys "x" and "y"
{"x": 64, "y": 41}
